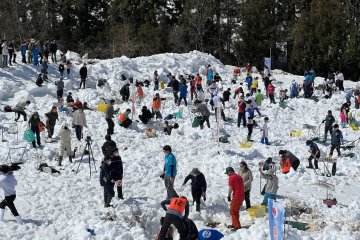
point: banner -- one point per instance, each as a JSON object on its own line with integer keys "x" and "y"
{"x": 276, "y": 220}
{"x": 267, "y": 62}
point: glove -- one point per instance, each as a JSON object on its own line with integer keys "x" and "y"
{"x": 229, "y": 199}
{"x": 162, "y": 176}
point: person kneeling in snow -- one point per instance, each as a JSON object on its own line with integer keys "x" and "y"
{"x": 271, "y": 186}
{"x": 146, "y": 115}
{"x": 295, "y": 162}
{"x": 124, "y": 120}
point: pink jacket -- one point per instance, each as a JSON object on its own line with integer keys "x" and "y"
{"x": 270, "y": 89}
{"x": 343, "y": 116}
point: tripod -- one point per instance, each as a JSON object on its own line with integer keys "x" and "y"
{"x": 89, "y": 149}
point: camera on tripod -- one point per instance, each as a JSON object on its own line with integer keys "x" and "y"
{"x": 88, "y": 139}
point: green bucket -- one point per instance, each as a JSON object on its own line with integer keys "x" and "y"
{"x": 196, "y": 122}
{"x": 178, "y": 115}
{"x": 29, "y": 136}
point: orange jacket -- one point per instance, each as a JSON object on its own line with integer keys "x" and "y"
{"x": 156, "y": 103}
{"x": 285, "y": 165}
{"x": 123, "y": 117}
{"x": 198, "y": 80}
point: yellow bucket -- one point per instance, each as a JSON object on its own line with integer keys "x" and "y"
{"x": 354, "y": 127}
{"x": 295, "y": 133}
{"x": 245, "y": 145}
{"x": 162, "y": 85}
{"x": 257, "y": 211}
{"x": 101, "y": 107}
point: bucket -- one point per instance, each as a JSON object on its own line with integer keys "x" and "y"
{"x": 245, "y": 144}
{"x": 29, "y": 136}
{"x": 178, "y": 115}
{"x": 101, "y": 107}
{"x": 196, "y": 121}
{"x": 295, "y": 133}
{"x": 257, "y": 211}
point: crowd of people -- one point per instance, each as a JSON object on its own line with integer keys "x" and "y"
{"x": 249, "y": 97}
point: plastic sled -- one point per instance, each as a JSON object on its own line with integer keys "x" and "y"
{"x": 354, "y": 126}
{"x": 298, "y": 225}
{"x": 101, "y": 107}
{"x": 295, "y": 133}
{"x": 245, "y": 144}
{"x": 178, "y": 115}
{"x": 257, "y": 211}
{"x": 29, "y": 136}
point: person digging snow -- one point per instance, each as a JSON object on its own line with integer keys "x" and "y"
{"x": 271, "y": 186}
{"x": 336, "y": 140}
{"x": 295, "y": 162}
{"x": 19, "y": 109}
{"x": 329, "y": 121}
{"x": 204, "y": 111}
{"x": 198, "y": 186}
{"x": 315, "y": 154}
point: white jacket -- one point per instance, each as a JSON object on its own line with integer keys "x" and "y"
{"x": 79, "y": 118}
{"x": 5, "y": 49}
{"x": 8, "y": 183}
{"x": 65, "y": 136}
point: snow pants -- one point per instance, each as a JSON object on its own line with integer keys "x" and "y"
{"x": 235, "y": 212}
{"x": 9, "y": 202}
{"x": 177, "y": 222}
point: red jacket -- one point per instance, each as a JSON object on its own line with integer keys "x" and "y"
{"x": 237, "y": 184}
{"x": 241, "y": 106}
{"x": 270, "y": 89}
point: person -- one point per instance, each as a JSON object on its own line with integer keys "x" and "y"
{"x": 174, "y": 215}
{"x": 249, "y": 81}
{"x": 12, "y": 52}
{"x": 156, "y": 80}
{"x": 294, "y": 89}
{"x": 285, "y": 164}
{"x": 69, "y": 98}
{"x": 204, "y": 111}
{"x": 236, "y": 195}
{"x": 108, "y": 146}
{"x": 51, "y": 118}
{"x": 125, "y": 92}
{"x": 247, "y": 177}
{"x": 226, "y": 95}
{"x": 183, "y": 93}
{"x": 254, "y": 85}
{"x": 315, "y": 154}
{"x": 53, "y": 50}
{"x": 36, "y": 125}
{"x": 271, "y": 91}
{"x": 265, "y": 132}
{"x": 329, "y": 121}
{"x": 271, "y": 186}
{"x": 210, "y": 234}
{"x": 198, "y": 186}
{"x": 268, "y": 164}
{"x": 169, "y": 172}
{"x": 139, "y": 91}
{"x": 8, "y": 183}
{"x": 340, "y": 80}
{"x": 213, "y": 89}
{"x": 191, "y": 229}
{"x": 146, "y": 115}
{"x": 236, "y": 72}
{"x": 198, "y": 82}
{"x": 68, "y": 67}
{"x": 169, "y": 235}
{"x": 168, "y": 127}
{"x": 336, "y": 140}
{"x": 156, "y": 106}
{"x": 19, "y": 109}
{"x": 209, "y": 75}
{"x": 61, "y": 69}
{"x": 65, "y": 142}
{"x": 124, "y": 120}
{"x": 241, "y": 112}
{"x": 175, "y": 85}
{"x": 106, "y": 181}
{"x": 258, "y": 98}
{"x": 39, "y": 81}
{"x": 79, "y": 121}
{"x": 343, "y": 116}
{"x": 219, "y": 104}
{"x": 109, "y": 114}
{"x": 249, "y": 112}
{"x": 217, "y": 78}
{"x": 238, "y": 91}
{"x": 60, "y": 88}
{"x": 23, "y": 51}
{"x": 193, "y": 93}
{"x": 295, "y": 162}
{"x": 83, "y": 75}
{"x": 117, "y": 171}
{"x": 5, "y": 53}
{"x": 46, "y": 49}
{"x": 253, "y": 104}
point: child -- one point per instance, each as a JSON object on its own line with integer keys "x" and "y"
{"x": 106, "y": 181}
{"x": 117, "y": 175}
{"x": 271, "y": 186}
{"x": 61, "y": 69}
{"x": 140, "y": 92}
{"x": 343, "y": 117}
{"x": 329, "y": 121}
{"x": 68, "y": 67}
{"x": 336, "y": 139}
{"x": 265, "y": 133}
{"x": 259, "y": 97}
{"x": 168, "y": 128}
{"x": 285, "y": 164}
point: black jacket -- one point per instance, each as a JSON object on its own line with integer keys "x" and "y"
{"x": 52, "y": 117}
{"x": 108, "y": 147}
{"x": 53, "y": 47}
{"x": 226, "y": 95}
{"x": 329, "y": 120}
{"x": 175, "y": 84}
{"x": 197, "y": 182}
{"x": 69, "y": 99}
{"x": 336, "y": 137}
{"x": 105, "y": 175}
{"x": 117, "y": 168}
{"x": 83, "y": 72}
{"x": 314, "y": 148}
{"x": 125, "y": 91}
{"x": 61, "y": 68}
{"x": 146, "y": 115}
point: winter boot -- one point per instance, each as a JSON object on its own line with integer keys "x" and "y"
{"x": 105, "y": 201}
{"x": 108, "y": 201}
{"x": 2, "y": 213}
{"x": 70, "y": 159}
{"x": 19, "y": 220}
{"x": 198, "y": 207}
{"x": 310, "y": 164}
{"x": 60, "y": 160}
{"x": 333, "y": 169}
{"x": 316, "y": 164}
{"x": 248, "y": 138}
{"x": 119, "y": 191}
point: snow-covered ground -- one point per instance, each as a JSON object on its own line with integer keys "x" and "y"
{"x": 62, "y": 207}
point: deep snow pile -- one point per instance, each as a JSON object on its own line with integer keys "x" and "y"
{"x": 62, "y": 207}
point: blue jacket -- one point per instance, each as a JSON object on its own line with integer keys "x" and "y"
{"x": 307, "y": 78}
{"x": 249, "y": 80}
{"x": 170, "y": 165}
{"x": 183, "y": 91}
{"x": 210, "y": 74}
{"x": 294, "y": 90}
{"x": 336, "y": 137}
{"x": 312, "y": 75}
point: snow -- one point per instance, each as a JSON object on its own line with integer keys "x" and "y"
{"x": 62, "y": 207}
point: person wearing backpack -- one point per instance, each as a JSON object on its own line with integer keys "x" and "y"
{"x": 8, "y": 183}
{"x": 198, "y": 186}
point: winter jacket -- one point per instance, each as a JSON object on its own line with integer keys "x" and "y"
{"x": 175, "y": 85}
{"x": 183, "y": 91}
{"x": 34, "y": 122}
{"x": 109, "y": 112}
{"x": 5, "y": 49}
{"x": 247, "y": 178}
{"x": 218, "y": 102}
{"x": 314, "y": 149}
{"x": 271, "y": 89}
{"x": 116, "y": 168}
{"x": 213, "y": 89}
{"x": 125, "y": 91}
{"x": 53, "y": 47}
{"x": 69, "y": 99}
{"x": 226, "y": 95}
{"x": 8, "y": 183}
{"x": 65, "y": 137}
{"x": 198, "y": 182}
{"x": 294, "y": 90}
{"x": 258, "y": 98}
{"x": 61, "y": 68}
{"x": 146, "y": 114}
{"x": 79, "y": 118}
{"x": 170, "y": 165}
{"x": 156, "y": 103}
{"x": 122, "y": 118}
{"x": 203, "y": 110}
{"x": 272, "y": 183}
{"x": 336, "y": 137}
{"x": 250, "y": 116}
{"x": 60, "y": 85}
{"x": 241, "y": 106}
{"x": 108, "y": 148}
{"x": 291, "y": 157}
{"x": 210, "y": 74}
{"x": 249, "y": 80}
{"x": 11, "y": 48}
{"x": 105, "y": 174}
{"x": 20, "y": 106}
{"x": 329, "y": 120}
{"x": 83, "y": 72}
{"x": 52, "y": 117}
{"x": 254, "y": 84}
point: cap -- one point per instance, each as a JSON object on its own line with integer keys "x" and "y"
{"x": 229, "y": 169}
{"x": 167, "y": 148}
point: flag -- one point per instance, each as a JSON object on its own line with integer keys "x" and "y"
{"x": 276, "y": 220}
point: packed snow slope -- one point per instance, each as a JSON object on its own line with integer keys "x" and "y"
{"x": 64, "y": 206}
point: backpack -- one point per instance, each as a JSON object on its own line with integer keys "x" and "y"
{"x": 7, "y": 108}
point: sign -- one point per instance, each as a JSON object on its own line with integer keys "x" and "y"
{"x": 276, "y": 220}
{"x": 267, "y": 62}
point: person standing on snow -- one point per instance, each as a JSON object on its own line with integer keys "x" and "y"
{"x": 108, "y": 146}
{"x": 61, "y": 69}
{"x": 8, "y": 183}
{"x": 117, "y": 175}
{"x": 35, "y": 124}
{"x": 271, "y": 186}
{"x": 258, "y": 98}
{"x": 209, "y": 75}
{"x": 198, "y": 186}
{"x": 340, "y": 80}
{"x": 51, "y": 118}
{"x": 329, "y": 121}
{"x": 169, "y": 172}
{"x": 250, "y": 120}
{"x": 219, "y": 104}
{"x": 65, "y": 142}
{"x": 241, "y": 112}
{"x": 236, "y": 195}
{"x": 336, "y": 140}
{"x": 5, "y": 53}
{"x": 175, "y": 85}
{"x": 265, "y": 132}
{"x": 156, "y": 105}
{"x": 109, "y": 114}
{"x": 271, "y": 91}
{"x": 247, "y": 177}
{"x": 315, "y": 154}
{"x": 60, "y": 87}
{"x": 53, "y": 50}
{"x": 83, "y": 75}
{"x": 183, "y": 94}
{"x": 174, "y": 215}
{"x": 254, "y": 85}
{"x": 125, "y": 92}
{"x": 79, "y": 120}
{"x": 156, "y": 80}
{"x": 68, "y": 67}
{"x": 294, "y": 89}
{"x": 106, "y": 181}
{"x": 253, "y": 103}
